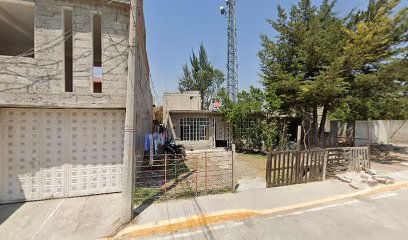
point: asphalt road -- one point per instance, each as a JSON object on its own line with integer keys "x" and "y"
{"x": 383, "y": 217}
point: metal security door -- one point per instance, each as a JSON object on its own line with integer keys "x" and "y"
{"x": 21, "y": 137}
{"x": 52, "y": 161}
{"x": 95, "y": 159}
{"x": 55, "y": 153}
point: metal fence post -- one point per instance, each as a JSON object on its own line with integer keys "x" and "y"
{"x": 165, "y": 174}
{"x": 232, "y": 167}
{"x": 176, "y": 162}
{"x": 196, "y": 178}
{"x": 206, "y": 172}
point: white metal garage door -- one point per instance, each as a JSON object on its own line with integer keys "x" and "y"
{"x": 54, "y": 153}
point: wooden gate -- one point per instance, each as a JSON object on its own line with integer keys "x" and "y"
{"x": 341, "y": 160}
{"x": 294, "y": 167}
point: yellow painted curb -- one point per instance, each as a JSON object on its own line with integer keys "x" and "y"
{"x": 239, "y": 214}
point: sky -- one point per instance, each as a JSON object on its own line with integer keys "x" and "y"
{"x": 175, "y": 27}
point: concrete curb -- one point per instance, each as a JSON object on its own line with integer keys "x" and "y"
{"x": 178, "y": 224}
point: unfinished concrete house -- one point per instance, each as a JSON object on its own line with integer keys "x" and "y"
{"x": 190, "y": 126}
{"x": 63, "y": 90}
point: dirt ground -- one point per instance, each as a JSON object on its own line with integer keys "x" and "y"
{"x": 249, "y": 164}
{"x": 249, "y": 171}
{"x": 388, "y": 158}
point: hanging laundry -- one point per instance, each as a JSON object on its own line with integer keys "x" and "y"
{"x": 147, "y": 143}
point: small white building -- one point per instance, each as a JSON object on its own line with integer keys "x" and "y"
{"x": 190, "y": 126}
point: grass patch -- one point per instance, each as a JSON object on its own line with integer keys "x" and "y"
{"x": 142, "y": 194}
{"x": 254, "y": 156}
{"x": 189, "y": 193}
{"x": 255, "y": 163}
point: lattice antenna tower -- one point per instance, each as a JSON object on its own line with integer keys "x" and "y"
{"x": 232, "y": 57}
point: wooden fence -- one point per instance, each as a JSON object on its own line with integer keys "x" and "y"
{"x": 294, "y": 167}
{"x": 347, "y": 159}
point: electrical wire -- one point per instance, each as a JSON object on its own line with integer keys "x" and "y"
{"x": 70, "y": 33}
{"x": 67, "y": 34}
{"x": 154, "y": 90}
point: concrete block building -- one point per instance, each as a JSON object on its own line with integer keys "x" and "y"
{"x": 190, "y": 126}
{"x": 63, "y": 74}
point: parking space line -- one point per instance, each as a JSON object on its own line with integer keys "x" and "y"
{"x": 47, "y": 219}
{"x": 385, "y": 195}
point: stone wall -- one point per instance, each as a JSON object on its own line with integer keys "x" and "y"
{"x": 39, "y": 81}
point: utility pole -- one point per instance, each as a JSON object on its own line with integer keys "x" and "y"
{"x": 130, "y": 123}
{"x": 232, "y": 57}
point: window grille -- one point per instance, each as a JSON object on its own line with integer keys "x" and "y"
{"x": 194, "y": 129}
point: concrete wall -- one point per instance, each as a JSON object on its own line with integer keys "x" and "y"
{"x": 39, "y": 81}
{"x": 189, "y": 100}
{"x": 341, "y": 134}
{"x": 398, "y": 132}
{"x": 139, "y": 105}
{"x": 142, "y": 92}
{"x": 382, "y": 132}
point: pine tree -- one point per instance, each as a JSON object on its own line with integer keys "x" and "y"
{"x": 349, "y": 68}
{"x": 202, "y": 77}
{"x": 375, "y": 60}
{"x": 298, "y": 66}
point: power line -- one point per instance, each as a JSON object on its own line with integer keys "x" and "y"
{"x": 154, "y": 90}
{"x": 66, "y": 35}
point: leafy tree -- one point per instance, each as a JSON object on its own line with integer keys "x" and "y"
{"x": 251, "y": 102}
{"x": 202, "y": 77}
{"x": 379, "y": 95}
{"x": 297, "y": 66}
{"x": 252, "y": 126}
{"x": 320, "y": 61}
{"x": 375, "y": 63}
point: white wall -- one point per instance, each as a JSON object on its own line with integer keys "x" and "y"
{"x": 381, "y": 132}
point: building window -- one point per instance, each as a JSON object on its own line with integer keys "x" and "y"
{"x": 16, "y": 29}
{"x": 97, "y": 54}
{"x": 194, "y": 129}
{"x": 67, "y": 31}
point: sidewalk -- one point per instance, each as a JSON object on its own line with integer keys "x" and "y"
{"x": 175, "y": 215}
{"x": 80, "y": 218}
{"x": 399, "y": 176}
{"x": 255, "y": 199}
